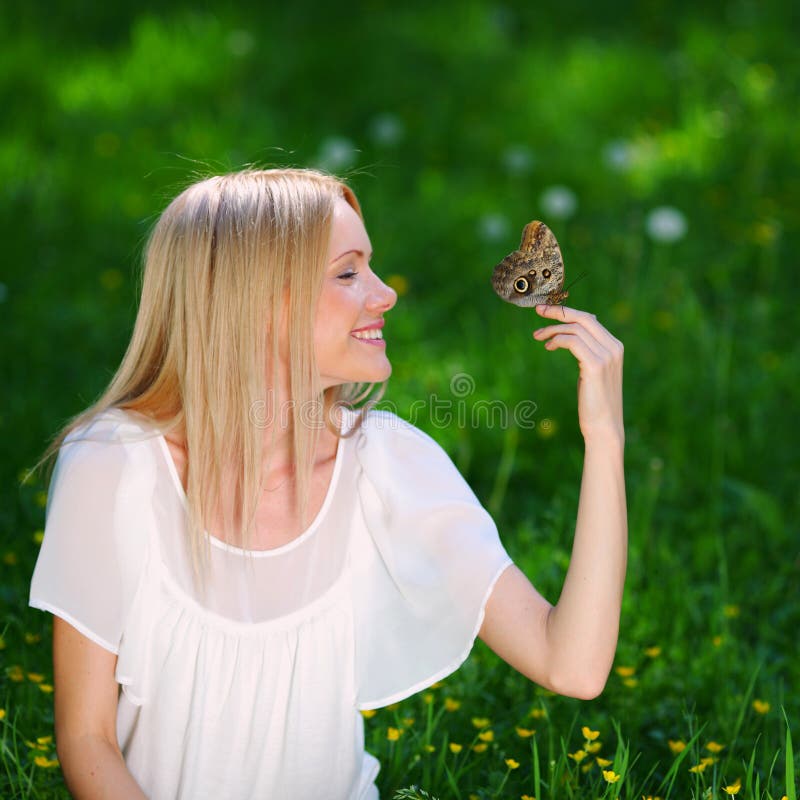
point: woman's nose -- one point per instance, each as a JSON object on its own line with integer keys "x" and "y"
{"x": 381, "y": 297}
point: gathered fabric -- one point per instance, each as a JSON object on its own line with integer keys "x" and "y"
{"x": 253, "y": 689}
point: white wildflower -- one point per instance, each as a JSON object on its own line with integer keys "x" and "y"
{"x": 337, "y": 153}
{"x": 493, "y": 227}
{"x": 387, "y": 129}
{"x": 618, "y": 155}
{"x": 559, "y": 202}
{"x": 666, "y": 224}
{"x": 518, "y": 159}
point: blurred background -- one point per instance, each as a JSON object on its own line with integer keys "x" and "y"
{"x": 660, "y": 143}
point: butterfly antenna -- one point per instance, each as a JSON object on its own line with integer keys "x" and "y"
{"x": 582, "y": 275}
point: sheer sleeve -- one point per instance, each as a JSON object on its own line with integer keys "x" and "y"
{"x": 92, "y": 552}
{"x": 423, "y": 567}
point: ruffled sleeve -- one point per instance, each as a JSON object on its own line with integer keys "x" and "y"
{"x": 423, "y": 567}
{"x": 90, "y": 561}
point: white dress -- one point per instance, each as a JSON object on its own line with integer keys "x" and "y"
{"x": 253, "y": 691}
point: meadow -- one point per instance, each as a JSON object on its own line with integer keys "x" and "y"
{"x": 660, "y": 144}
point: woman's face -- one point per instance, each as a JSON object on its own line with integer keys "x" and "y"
{"x": 348, "y": 330}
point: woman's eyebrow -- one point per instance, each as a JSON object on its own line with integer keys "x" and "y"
{"x": 347, "y": 253}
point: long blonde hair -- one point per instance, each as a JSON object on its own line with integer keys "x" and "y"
{"x": 226, "y": 258}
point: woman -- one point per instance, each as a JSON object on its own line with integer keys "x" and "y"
{"x": 239, "y": 561}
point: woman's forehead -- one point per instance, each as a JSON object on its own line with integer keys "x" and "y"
{"x": 347, "y": 231}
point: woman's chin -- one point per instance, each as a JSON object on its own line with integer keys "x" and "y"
{"x": 366, "y": 376}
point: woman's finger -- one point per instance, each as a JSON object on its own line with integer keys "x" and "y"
{"x": 584, "y": 318}
{"x": 587, "y": 358}
{"x": 573, "y": 329}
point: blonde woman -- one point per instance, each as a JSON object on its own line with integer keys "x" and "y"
{"x": 239, "y": 560}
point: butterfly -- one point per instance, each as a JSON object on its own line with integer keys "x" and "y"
{"x": 534, "y": 274}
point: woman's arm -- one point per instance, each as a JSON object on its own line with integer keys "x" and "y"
{"x": 570, "y": 647}
{"x": 85, "y": 718}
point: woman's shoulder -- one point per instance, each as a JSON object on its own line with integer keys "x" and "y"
{"x": 386, "y": 438}
{"x": 113, "y": 425}
{"x": 383, "y": 426}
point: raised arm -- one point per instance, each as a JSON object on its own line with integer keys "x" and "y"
{"x": 86, "y": 695}
{"x": 569, "y": 648}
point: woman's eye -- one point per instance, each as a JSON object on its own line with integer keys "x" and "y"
{"x": 348, "y": 275}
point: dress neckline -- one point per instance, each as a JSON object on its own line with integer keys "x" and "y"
{"x": 273, "y": 551}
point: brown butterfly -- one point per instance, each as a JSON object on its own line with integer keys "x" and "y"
{"x": 534, "y": 274}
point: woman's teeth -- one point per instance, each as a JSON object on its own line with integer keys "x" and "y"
{"x": 375, "y": 333}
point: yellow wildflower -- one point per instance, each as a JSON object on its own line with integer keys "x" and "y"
{"x": 44, "y": 739}
{"x": 578, "y": 755}
{"x": 393, "y": 734}
{"x": 32, "y": 638}
{"x": 730, "y": 611}
{"x": 527, "y": 797}
{"x": 45, "y": 687}
{"x": 603, "y": 762}
{"x": 408, "y": 721}
{"x": 708, "y": 761}
{"x": 16, "y": 674}
{"x": 3, "y": 643}
{"x": 486, "y": 736}
{"x": 393, "y": 707}
{"x": 427, "y": 698}
{"x": 480, "y": 722}
{"x": 734, "y": 788}
{"x": 524, "y": 733}
{"x": 697, "y": 768}
{"x": 41, "y": 499}
{"x": 546, "y": 428}
{"x": 653, "y": 652}
{"x": 538, "y": 713}
{"x": 451, "y": 705}
{"x": 511, "y": 764}
{"x": 44, "y": 761}
{"x": 38, "y": 537}
{"x": 676, "y": 746}
{"x": 480, "y": 747}
{"x": 2, "y": 713}
{"x": 437, "y": 685}
{"x": 631, "y": 683}
{"x": 399, "y": 283}
{"x": 586, "y": 767}
{"x": 455, "y": 748}
{"x": 35, "y": 677}
{"x": 593, "y": 747}
{"x": 714, "y": 747}
{"x": 429, "y": 748}
{"x": 761, "y": 706}
{"x": 611, "y": 776}
{"x": 589, "y": 734}
{"x": 369, "y": 713}
{"x": 625, "y": 672}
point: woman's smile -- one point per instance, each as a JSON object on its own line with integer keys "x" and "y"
{"x": 371, "y": 334}
{"x": 352, "y": 295}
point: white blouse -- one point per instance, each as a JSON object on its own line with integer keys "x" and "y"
{"x": 252, "y": 691}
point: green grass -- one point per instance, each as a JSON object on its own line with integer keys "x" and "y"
{"x": 461, "y": 116}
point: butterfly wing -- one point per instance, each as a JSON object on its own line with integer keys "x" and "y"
{"x": 534, "y": 274}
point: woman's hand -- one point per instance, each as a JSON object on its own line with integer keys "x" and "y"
{"x": 599, "y": 355}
